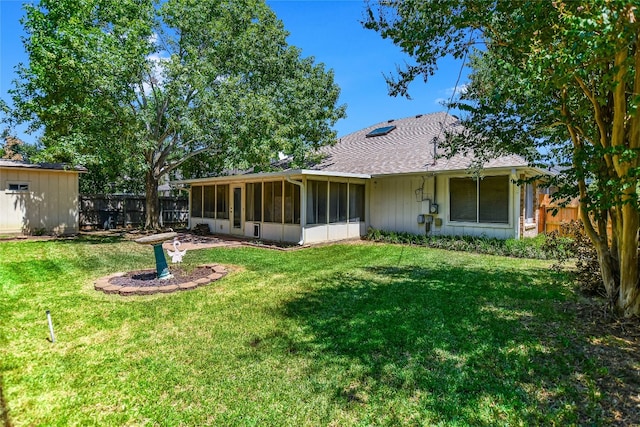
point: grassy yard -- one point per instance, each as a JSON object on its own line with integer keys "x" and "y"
{"x": 342, "y": 335}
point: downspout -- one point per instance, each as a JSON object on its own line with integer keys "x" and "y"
{"x": 303, "y": 207}
{"x": 435, "y": 189}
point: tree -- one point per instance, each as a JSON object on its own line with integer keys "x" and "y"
{"x": 135, "y": 85}
{"x": 556, "y": 82}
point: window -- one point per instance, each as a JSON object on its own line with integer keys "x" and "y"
{"x": 196, "y": 201}
{"x": 273, "y": 201}
{"x": 222, "y": 201}
{"x": 462, "y": 194}
{"x": 494, "y": 199}
{"x": 254, "y": 202}
{"x": 356, "y": 202}
{"x": 209, "y": 201}
{"x": 528, "y": 203}
{"x": 18, "y": 186}
{"x": 291, "y": 203}
{"x": 317, "y": 202}
{"x": 337, "y": 202}
{"x": 484, "y": 200}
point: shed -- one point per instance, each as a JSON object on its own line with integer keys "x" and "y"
{"x": 38, "y": 198}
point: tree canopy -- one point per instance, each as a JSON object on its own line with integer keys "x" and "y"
{"x": 555, "y": 82}
{"x": 139, "y": 87}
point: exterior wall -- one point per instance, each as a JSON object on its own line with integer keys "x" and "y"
{"x": 395, "y": 203}
{"x": 333, "y": 232}
{"x": 279, "y": 232}
{"x": 50, "y": 204}
{"x": 392, "y": 203}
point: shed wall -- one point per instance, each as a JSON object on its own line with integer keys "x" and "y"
{"x": 49, "y": 205}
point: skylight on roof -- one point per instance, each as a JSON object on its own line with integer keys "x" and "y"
{"x": 381, "y": 131}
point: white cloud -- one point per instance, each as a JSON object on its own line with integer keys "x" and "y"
{"x": 451, "y": 93}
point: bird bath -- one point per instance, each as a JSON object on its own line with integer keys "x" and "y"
{"x": 162, "y": 269}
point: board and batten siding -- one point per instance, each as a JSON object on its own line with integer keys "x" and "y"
{"x": 50, "y": 204}
{"x": 394, "y": 205}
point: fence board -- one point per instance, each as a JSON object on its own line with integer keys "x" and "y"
{"x": 564, "y": 215}
{"x": 99, "y": 211}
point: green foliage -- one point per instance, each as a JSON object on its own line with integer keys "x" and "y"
{"x": 137, "y": 89}
{"x": 553, "y": 82}
{"x": 518, "y": 248}
{"x": 572, "y": 244}
{"x": 345, "y": 335}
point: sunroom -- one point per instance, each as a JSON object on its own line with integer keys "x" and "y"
{"x": 300, "y": 206}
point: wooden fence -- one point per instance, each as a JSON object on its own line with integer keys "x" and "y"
{"x": 564, "y": 215}
{"x": 104, "y": 211}
{"x": 548, "y": 221}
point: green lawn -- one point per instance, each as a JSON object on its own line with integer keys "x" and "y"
{"x": 339, "y": 335}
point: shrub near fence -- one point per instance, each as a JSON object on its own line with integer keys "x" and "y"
{"x": 102, "y": 211}
{"x": 552, "y": 216}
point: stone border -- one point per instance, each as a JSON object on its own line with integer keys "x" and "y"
{"x": 103, "y": 284}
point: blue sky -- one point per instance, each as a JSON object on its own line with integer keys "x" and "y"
{"x": 328, "y": 30}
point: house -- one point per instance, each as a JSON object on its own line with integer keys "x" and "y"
{"x": 38, "y": 198}
{"x": 385, "y": 177}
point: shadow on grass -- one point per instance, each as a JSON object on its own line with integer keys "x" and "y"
{"x": 93, "y": 239}
{"x": 463, "y": 345}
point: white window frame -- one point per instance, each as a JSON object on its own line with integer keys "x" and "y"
{"x": 23, "y": 187}
{"x": 477, "y": 221}
{"x": 529, "y": 203}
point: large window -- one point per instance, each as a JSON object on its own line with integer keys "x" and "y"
{"x": 356, "y": 202}
{"x": 254, "y": 202}
{"x": 222, "y": 201}
{"x": 196, "y": 201}
{"x": 291, "y": 203}
{"x": 209, "y": 201}
{"x": 316, "y": 202}
{"x": 484, "y": 200}
{"x": 273, "y": 201}
{"x": 337, "y": 202}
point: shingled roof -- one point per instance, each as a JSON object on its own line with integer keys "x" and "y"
{"x": 409, "y": 148}
{"x": 21, "y": 164}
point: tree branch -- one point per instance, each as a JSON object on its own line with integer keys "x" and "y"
{"x": 169, "y": 167}
{"x": 597, "y": 109}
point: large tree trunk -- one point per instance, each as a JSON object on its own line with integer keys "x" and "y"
{"x": 619, "y": 268}
{"x": 629, "y": 294}
{"x": 152, "y": 203}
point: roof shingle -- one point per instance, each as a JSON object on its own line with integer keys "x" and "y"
{"x": 409, "y": 148}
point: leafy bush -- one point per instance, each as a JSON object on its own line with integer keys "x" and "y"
{"x": 573, "y": 243}
{"x": 521, "y": 248}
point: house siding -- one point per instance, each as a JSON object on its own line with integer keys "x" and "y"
{"x": 395, "y": 205}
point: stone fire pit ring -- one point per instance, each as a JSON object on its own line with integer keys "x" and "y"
{"x": 114, "y": 283}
